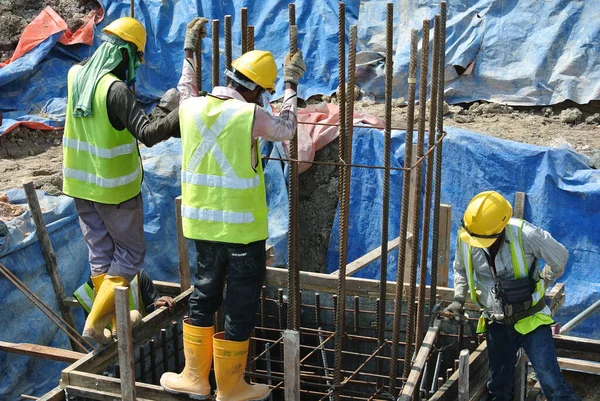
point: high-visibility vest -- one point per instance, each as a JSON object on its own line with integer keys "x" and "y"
{"x": 223, "y": 195}
{"x": 100, "y": 163}
{"x": 85, "y": 296}
{"x": 514, "y": 230}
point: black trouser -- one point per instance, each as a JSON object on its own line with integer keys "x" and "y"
{"x": 245, "y": 268}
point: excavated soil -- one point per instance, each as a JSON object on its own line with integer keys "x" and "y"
{"x": 15, "y": 15}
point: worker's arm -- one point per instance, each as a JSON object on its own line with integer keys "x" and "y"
{"x": 125, "y": 112}
{"x": 460, "y": 277}
{"x": 187, "y": 85}
{"x": 540, "y": 243}
{"x": 150, "y": 296}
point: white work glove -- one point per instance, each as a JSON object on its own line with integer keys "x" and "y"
{"x": 293, "y": 67}
{"x": 194, "y": 30}
{"x": 548, "y": 276}
{"x": 455, "y": 310}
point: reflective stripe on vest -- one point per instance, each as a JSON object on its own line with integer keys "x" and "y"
{"x": 223, "y": 197}
{"x": 85, "y": 296}
{"x": 100, "y": 163}
{"x": 520, "y": 270}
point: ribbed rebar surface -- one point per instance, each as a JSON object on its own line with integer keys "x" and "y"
{"x": 438, "y": 150}
{"x": 341, "y": 290}
{"x": 227, "y": 39}
{"x": 412, "y": 85}
{"x": 385, "y": 208}
{"x": 419, "y": 172}
{"x": 244, "y": 29}
{"x": 215, "y": 53}
{"x": 412, "y": 72}
{"x": 250, "y": 37}
{"x": 198, "y": 64}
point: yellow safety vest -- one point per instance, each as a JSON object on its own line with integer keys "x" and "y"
{"x": 514, "y": 231}
{"x": 85, "y": 296}
{"x": 223, "y": 195}
{"x": 100, "y": 163}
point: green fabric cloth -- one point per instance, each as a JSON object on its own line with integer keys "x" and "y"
{"x": 105, "y": 59}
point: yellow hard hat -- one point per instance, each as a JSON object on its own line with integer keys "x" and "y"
{"x": 485, "y": 218}
{"x": 259, "y": 67}
{"x": 130, "y": 30}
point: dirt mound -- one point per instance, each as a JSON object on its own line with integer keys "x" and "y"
{"x": 15, "y": 15}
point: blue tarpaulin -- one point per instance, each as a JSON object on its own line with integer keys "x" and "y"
{"x": 495, "y": 51}
{"x": 563, "y": 197}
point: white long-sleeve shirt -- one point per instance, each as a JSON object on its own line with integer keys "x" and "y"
{"x": 537, "y": 244}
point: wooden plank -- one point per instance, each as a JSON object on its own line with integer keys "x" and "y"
{"x": 125, "y": 344}
{"x": 578, "y": 365}
{"x": 320, "y": 282}
{"x": 444, "y": 235}
{"x": 182, "y": 249}
{"x": 94, "y": 394}
{"x": 577, "y": 343}
{"x": 167, "y": 288}
{"x": 368, "y": 258}
{"x": 411, "y": 212}
{"x": 291, "y": 364}
{"x": 555, "y": 297}
{"x": 519, "y": 209}
{"x": 414, "y": 377}
{"x": 50, "y": 258}
{"x": 103, "y": 356}
{"x": 477, "y": 362}
{"x": 56, "y": 394}
{"x": 113, "y": 385}
{"x": 463, "y": 375}
{"x": 41, "y": 351}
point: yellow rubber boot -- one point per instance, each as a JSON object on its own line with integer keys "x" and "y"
{"x": 103, "y": 310}
{"x": 230, "y": 363}
{"x": 97, "y": 281}
{"x": 134, "y": 316}
{"x": 197, "y": 348}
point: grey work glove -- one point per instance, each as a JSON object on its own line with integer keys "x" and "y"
{"x": 455, "y": 310}
{"x": 195, "y": 29}
{"x": 548, "y": 276}
{"x": 293, "y": 67}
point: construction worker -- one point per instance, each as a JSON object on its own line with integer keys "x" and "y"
{"x": 143, "y": 297}
{"x": 102, "y": 167}
{"x": 497, "y": 261}
{"x": 224, "y": 210}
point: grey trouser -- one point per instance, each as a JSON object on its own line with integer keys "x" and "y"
{"x": 114, "y": 235}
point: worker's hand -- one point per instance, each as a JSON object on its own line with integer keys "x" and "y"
{"x": 454, "y": 311}
{"x": 548, "y": 276}
{"x": 195, "y": 29}
{"x": 165, "y": 301}
{"x": 293, "y": 67}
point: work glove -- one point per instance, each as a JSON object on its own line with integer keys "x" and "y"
{"x": 293, "y": 67}
{"x": 195, "y": 29}
{"x": 455, "y": 310}
{"x": 548, "y": 276}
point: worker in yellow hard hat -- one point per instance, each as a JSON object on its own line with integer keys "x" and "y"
{"x": 497, "y": 262}
{"x": 102, "y": 169}
{"x": 224, "y": 210}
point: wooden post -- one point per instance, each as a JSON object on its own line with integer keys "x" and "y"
{"x": 182, "y": 249}
{"x": 125, "y": 344}
{"x": 463, "y": 375}
{"x": 50, "y": 258}
{"x": 291, "y": 364}
{"x": 410, "y": 228}
{"x": 444, "y": 245}
{"x": 519, "y": 211}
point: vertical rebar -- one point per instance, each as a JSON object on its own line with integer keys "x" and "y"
{"x": 152, "y": 351}
{"x": 293, "y": 240}
{"x": 198, "y": 64}
{"x": 430, "y": 157}
{"x": 356, "y": 313}
{"x": 227, "y": 40}
{"x": 410, "y": 318}
{"x": 215, "y": 53}
{"x": 175, "y": 330}
{"x": 244, "y": 29}
{"x": 317, "y": 309}
{"x": 281, "y": 318}
{"x": 350, "y": 112}
{"x": 417, "y": 203}
{"x": 461, "y": 334}
{"x": 341, "y": 290}
{"x": 250, "y": 37}
{"x": 132, "y": 9}
{"x": 385, "y": 208}
{"x": 412, "y": 71}
{"x": 263, "y": 307}
{"x": 438, "y": 150}
{"x": 436, "y": 372}
{"x": 142, "y": 354}
{"x": 165, "y": 349}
